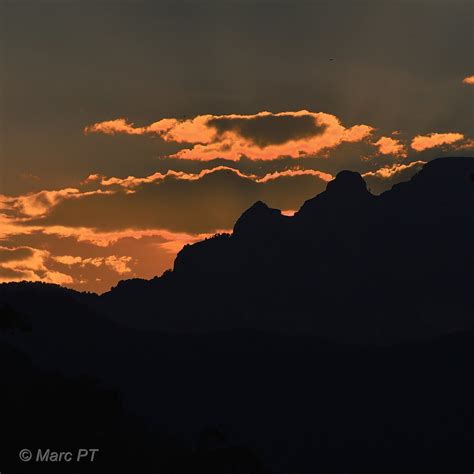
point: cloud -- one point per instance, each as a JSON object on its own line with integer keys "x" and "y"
{"x": 433, "y": 140}
{"x": 37, "y": 204}
{"x": 111, "y": 127}
{"x": 68, "y": 260}
{"x": 132, "y": 182}
{"x": 202, "y": 203}
{"x": 192, "y": 203}
{"x": 91, "y": 178}
{"x": 466, "y": 145}
{"x": 26, "y": 263}
{"x": 391, "y": 146}
{"x": 265, "y": 130}
{"x": 15, "y": 254}
{"x": 88, "y": 260}
{"x": 262, "y": 136}
{"x": 181, "y": 203}
{"x": 384, "y": 178}
{"x": 195, "y": 130}
{"x": 389, "y": 172}
{"x": 295, "y": 172}
{"x": 469, "y": 80}
{"x": 118, "y": 264}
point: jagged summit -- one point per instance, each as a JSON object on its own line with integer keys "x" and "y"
{"x": 258, "y": 219}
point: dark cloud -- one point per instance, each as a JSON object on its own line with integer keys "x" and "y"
{"x": 14, "y": 254}
{"x": 271, "y": 129}
{"x": 210, "y": 203}
{"x": 12, "y": 274}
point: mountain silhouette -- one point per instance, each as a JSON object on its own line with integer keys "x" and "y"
{"x": 340, "y": 339}
{"x": 348, "y": 265}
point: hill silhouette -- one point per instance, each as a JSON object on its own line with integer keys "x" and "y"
{"x": 348, "y": 265}
{"x": 336, "y": 340}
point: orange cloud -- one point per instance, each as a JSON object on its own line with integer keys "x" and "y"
{"x": 467, "y": 145}
{"x": 38, "y": 204}
{"x": 295, "y": 172}
{"x": 118, "y": 264}
{"x": 171, "y": 242}
{"x": 261, "y": 136}
{"x": 425, "y": 142}
{"x": 132, "y": 181}
{"x": 111, "y": 127}
{"x": 170, "y": 130}
{"x": 91, "y": 179}
{"x": 389, "y": 172}
{"x": 390, "y": 146}
{"x": 26, "y": 263}
{"x": 68, "y": 260}
{"x": 95, "y": 266}
{"x": 469, "y": 80}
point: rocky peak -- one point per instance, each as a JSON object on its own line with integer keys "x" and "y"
{"x": 257, "y": 219}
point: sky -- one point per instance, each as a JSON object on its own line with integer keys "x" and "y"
{"x": 131, "y": 128}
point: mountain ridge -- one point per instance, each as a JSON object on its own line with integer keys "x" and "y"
{"x": 349, "y": 265}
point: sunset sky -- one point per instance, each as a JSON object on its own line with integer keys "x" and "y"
{"x": 129, "y": 128}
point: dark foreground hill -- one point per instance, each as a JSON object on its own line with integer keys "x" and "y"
{"x": 261, "y": 351}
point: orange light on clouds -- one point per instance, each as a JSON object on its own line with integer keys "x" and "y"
{"x": 425, "y": 142}
{"x": 469, "y": 80}
{"x": 118, "y": 263}
{"x": 38, "y": 204}
{"x": 30, "y": 266}
{"x": 296, "y": 172}
{"x": 232, "y": 143}
{"x": 389, "y": 172}
{"x": 467, "y": 145}
{"x": 132, "y": 181}
{"x": 391, "y": 146}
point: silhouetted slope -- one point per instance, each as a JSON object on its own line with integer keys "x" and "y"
{"x": 349, "y": 265}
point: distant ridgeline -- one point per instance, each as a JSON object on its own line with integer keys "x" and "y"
{"x": 348, "y": 266}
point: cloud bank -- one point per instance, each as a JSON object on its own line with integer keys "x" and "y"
{"x": 262, "y": 136}
{"x": 434, "y": 140}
